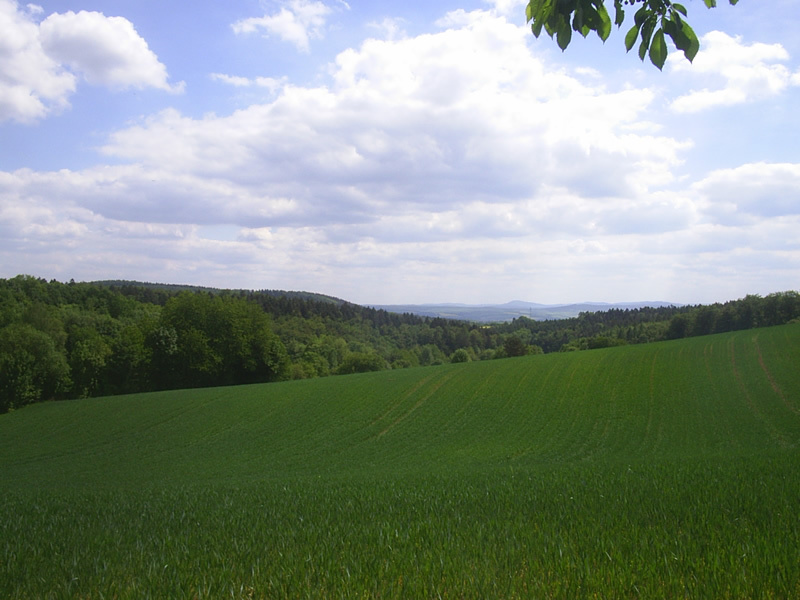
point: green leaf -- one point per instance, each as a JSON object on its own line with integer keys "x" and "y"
{"x": 646, "y": 33}
{"x": 604, "y": 29}
{"x": 577, "y": 20}
{"x": 671, "y": 29}
{"x": 540, "y": 11}
{"x": 693, "y": 43}
{"x": 684, "y": 38}
{"x": 658, "y": 49}
{"x": 564, "y": 35}
{"x": 619, "y": 17}
{"x": 630, "y": 37}
{"x": 641, "y": 15}
{"x": 559, "y": 18}
{"x": 643, "y": 49}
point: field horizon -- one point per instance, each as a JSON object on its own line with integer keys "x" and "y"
{"x": 659, "y": 469}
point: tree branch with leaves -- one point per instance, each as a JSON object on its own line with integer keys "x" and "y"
{"x": 653, "y": 22}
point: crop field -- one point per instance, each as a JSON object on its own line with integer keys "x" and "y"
{"x": 655, "y": 471}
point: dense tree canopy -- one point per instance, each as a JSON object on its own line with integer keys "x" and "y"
{"x": 653, "y": 22}
{"x": 60, "y": 341}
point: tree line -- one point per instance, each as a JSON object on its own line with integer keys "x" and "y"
{"x": 76, "y": 340}
{"x": 615, "y": 327}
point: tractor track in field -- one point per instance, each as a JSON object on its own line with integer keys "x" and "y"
{"x": 434, "y": 388}
{"x": 651, "y": 404}
{"x": 400, "y": 401}
{"x": 759, "y": 415}
{"x": 776, "y": 388}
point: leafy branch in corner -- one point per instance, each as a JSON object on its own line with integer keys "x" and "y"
{"x": 653, "y": 21}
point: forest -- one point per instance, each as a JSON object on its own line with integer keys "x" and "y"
{"x": 75, "y": 340}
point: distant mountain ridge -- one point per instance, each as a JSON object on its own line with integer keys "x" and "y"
{"x": 477, "y": 313}
{"x": 494, "y": 313}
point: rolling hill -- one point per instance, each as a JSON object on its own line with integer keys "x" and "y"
{"x": 650, "y": 471}
{"x": 715, "y": 395}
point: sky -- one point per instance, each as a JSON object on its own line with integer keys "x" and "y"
{"x": 396, "y": 153}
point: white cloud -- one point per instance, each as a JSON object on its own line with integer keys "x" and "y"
{"x": 390, "y": 29}
{"x": 422, "y": 167}
{"x": 297, "y": 22}
{"x": 38, "y": 60}
{"x": 32, "y": 85}
{"x": 738, "y": 72}
{"x": 271, "y": 83}
{"x": 751, "y": 192}
{"x": 105, "y": 50}
{"x": 234, "y": 80}
{"x": 411, "y": 128}
{"x": 419, "y": 148}
{"x": 513, "y": 10}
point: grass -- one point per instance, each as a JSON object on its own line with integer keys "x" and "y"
{"x": 666, "y": 470}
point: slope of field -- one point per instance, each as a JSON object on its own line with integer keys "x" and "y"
{"x": 716, "y": 395}
{"x": 645, "y": 471}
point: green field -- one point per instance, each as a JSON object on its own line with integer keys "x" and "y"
{"x": 653, "y": 471}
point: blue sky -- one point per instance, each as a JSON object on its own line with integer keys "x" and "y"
{"x": 398, "y": 152}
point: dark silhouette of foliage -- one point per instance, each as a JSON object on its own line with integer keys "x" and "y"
{"x": 653, "y": 22}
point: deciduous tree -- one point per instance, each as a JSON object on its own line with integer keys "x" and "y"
{"x": 514, "y": 346}
{"x": 653, "y": 22}
{"x": 31, "y": 367}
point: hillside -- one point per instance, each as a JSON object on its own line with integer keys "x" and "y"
{"x": 62, "y": 341}
{"x": 716, "y": 395}
{"x": 653, "y": 471}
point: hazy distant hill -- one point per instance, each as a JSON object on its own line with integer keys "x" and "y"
{"x": 478, "y": 313}
{"x": 492, "y": 313}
